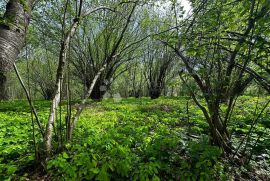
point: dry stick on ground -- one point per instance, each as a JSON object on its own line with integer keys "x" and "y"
{"x": 29, "y": 99}
{"x": 82, "y": 104}
{"x": 59, "y": 78}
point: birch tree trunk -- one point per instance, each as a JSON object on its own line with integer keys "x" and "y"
{"x": 60, "y": 76}
{"x": 59, "y": 82}
{"x": 13, "y": 27}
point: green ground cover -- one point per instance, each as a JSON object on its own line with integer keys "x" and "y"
{"x": 135, "y": 139}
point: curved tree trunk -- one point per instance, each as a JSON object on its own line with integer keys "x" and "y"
{"x": 13, "y": 27}
{"x": 60, "y": 77}
{"x": 82, "y": 104}
{"x": 99, "y": 91}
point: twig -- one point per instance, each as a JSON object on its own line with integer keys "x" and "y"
{"x": 29, "y": 99}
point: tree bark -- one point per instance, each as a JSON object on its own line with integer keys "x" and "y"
{"x": 98, "y": 91}
{"x": 48, "y": 94}
{"x": 13, "y": 27}
{"x": 3, "y": 91}
{"x": 57, "y": 94}
{"x": 218, "y": 132}
{"x": 60, "y": 77}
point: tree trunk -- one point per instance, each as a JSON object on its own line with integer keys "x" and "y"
{"x": 60, "y": 76}
{"x": 218, "y": 131}
{"x": 13, "y": 27}
{"x": 99, "y": 91}
{"x": 155, "y": 91}
{"x": 3, "y": 91}
{"x": 221, "y": 140}
{"x": 58, "y": 85}
{"x": 49, "y": 93}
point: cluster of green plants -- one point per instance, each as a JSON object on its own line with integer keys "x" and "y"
{"x": 137, "y": 139}
{"x": 16, "y": 143}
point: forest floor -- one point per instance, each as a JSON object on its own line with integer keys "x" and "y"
{"x": 136, "y": 139}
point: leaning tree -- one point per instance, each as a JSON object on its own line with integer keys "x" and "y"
{"x": 13, "y": 28}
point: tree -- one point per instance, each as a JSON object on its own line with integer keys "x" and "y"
{"x": 135, "y": 79}
{"x": 103, "y": 42}
{"x": 211, "y": 53}
{"x": 158, "y": 63}
{"x": 13, "y": 28}
{"x": 65, "y": 44}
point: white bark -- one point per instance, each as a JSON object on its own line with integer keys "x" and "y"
{"x": 82, "y": 104}
{"x": 59, "y": 81}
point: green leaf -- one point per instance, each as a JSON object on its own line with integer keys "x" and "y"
{"x": 65, "y": 155}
